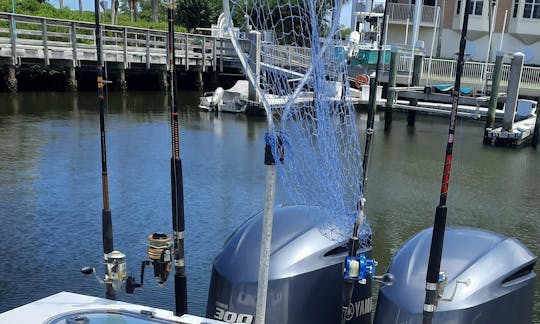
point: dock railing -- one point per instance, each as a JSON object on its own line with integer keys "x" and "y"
{"x": 400, "y": 12}
{"x": 25, "y": 37}
{"x": 444, "y": 71}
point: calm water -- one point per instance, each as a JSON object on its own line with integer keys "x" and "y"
{"x": 50, "y": 188}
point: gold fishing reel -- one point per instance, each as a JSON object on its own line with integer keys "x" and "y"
{"x": 159, "y": 251}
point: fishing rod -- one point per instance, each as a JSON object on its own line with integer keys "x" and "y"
{"x": 106, "y": 217}
{"x": 366, "y": 267}
{"x": 177, "y": 189}
{"x": 439, "y": 225}
{"x": 372, "y": 100}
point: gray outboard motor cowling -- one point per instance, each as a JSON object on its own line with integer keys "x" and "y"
{"x": 305, "y": 278}
{"x": 490, "y": 279}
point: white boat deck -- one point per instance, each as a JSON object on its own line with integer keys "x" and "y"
{"x": 53, "y": 308}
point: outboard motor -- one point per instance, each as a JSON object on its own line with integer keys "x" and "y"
{"x": 485, "y": 278}
{"x": 305, "y": 278}
{"x": 216, "y": 97}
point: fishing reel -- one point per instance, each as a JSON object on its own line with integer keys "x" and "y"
{"x": 159, "y": 250}
{"x": 115, "y": 270}
{"x": 359, "y": 268}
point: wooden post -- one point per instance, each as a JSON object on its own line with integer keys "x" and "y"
{"x": 163, "y": 80}
{"x": 11, "y": 79}
{"x": 417, "y": 75}
{"x": 199, "y": 82}
{"x": 221, "y": 55}
{"x": 71, "y": 80}
{"x": 494, "y": 96}
{"x": 13, "y": 39}
{"x": 73, "y": 37}
{"x": 214, "y": 79}
{"x": 122, "y": 79}
{"x": 203, "y": 54}
{"x": 514, "y": 80}
{"x": 125, "y": 48}
{"x": 214, "y": 55}
{"x": 186, "y": 51}
{"x": 44, "y": 39}
{"x": 254, "y": 62}
{"x": 390, "y": 92}
{"x": 148, "y": 50}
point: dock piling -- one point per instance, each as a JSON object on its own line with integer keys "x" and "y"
{"x": 122, "y": 79}
{"x": 494, "y": 96}
{"x": 514, "y": 80}
{"x": 254, "y": 62}
{"x": 199, "y": 82}
{"x": 418, "y": 66}
{"x": 163, "y": 80}
{"x": 11, "y": 79}
{"x": 390, "y": 92}
{"x": 71, "y": 79}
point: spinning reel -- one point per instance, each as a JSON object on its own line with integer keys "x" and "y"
{"x": 159, "y": 253}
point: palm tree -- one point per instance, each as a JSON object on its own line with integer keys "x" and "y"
{"x": 133, "y": 10}
{"x": 155, "y": 8}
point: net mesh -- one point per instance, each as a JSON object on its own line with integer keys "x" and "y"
{"x": 293, "y": 56}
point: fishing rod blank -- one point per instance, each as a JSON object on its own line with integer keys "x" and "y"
{"x": 177, "y": 189}
{"x": 106, "y": 217}
{"x": 439, "y": 226}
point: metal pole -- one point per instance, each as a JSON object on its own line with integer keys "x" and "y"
{"x": 177, "y": 188}
{"x": 416, "y": 26}
{"x": 439, "y": 226}
{"x": 406, "y": 31}
{"x": 432, "y": 45}
{"x": 14, "y": 23}
{"x": 106, "y": 217}
{"x": 503, "y": 28}
{"x": 490, "y": 38}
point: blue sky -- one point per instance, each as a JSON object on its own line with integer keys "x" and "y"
{"x": 89, "y": 5}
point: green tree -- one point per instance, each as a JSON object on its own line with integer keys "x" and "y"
{"x": 197, "y": 13}
{"x": 153, "y": 10}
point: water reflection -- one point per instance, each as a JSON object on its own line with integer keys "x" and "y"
{"x": 50, "y": 187}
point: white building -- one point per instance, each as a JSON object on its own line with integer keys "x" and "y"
{"x": 516, "y": 26}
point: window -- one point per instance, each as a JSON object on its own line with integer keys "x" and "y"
{"x": 516, "y": 5}
{"x": 476, "y": 7}
{"x": 531, "y": 9}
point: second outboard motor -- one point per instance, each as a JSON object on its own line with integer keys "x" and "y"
{"x": 305, "y": 278}
{"x": 485, "y": 278}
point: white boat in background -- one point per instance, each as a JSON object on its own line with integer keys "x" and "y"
{"x": 230, "y": 100}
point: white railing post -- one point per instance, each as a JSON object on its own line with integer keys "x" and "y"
{"x": 13, "y": 39}
{"x": 125, "y": 48}
{"x": 148, "y": 49}
{"x": 73, "y": 39}
{"x": 186, "y": 53}
{"x": 44, "y": 38}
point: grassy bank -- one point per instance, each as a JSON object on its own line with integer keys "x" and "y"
{"x": 34, "y": 8}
